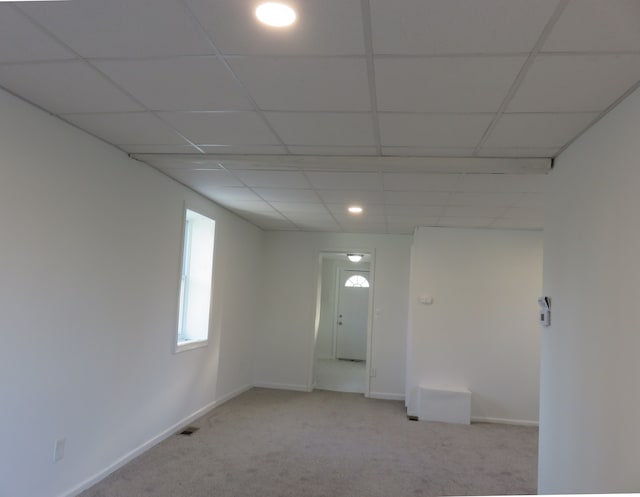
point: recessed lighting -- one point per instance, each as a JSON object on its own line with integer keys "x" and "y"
{"x": 355, "y": 209}
{"x": 275, "y": 14}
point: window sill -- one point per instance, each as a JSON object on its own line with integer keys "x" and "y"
{"x": 190, "y": 345}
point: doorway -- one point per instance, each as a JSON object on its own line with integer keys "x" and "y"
{"x": 343, "y": 319}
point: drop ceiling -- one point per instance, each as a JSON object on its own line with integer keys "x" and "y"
{"x": 425, "y": 112}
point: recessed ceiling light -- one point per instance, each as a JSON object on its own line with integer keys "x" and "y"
{"x": 355, "y": 257}
{"x": 275, "y": 14}
{"x": 355, "y": 209}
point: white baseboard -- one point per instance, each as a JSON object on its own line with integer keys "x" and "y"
{"x": 282, "y": 386}
{"x": 150, "y": 443}
{"x": 503, "y": 421}
{"x": 386, "y": 396}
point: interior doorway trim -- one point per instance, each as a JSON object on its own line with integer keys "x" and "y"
{"x": 370, "y": 313}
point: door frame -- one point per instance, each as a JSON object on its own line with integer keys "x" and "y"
{"x": 336, "y": 306}
{"x": 371, "y": 252}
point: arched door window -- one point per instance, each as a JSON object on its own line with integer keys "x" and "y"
{"x": 357, "y": 281}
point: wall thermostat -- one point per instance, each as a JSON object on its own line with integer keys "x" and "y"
{"x": 545, "y": 310}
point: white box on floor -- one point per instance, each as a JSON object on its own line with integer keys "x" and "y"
{"x": 451, "y": 405}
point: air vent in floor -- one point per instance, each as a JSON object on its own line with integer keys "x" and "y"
{"x": 189, "y": 430}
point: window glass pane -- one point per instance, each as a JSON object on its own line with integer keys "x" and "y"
{"x": 357, "y": 281}
{"x": 195, "y": 288}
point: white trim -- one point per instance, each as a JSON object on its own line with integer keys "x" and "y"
{"x": 150, "y": 443}
{"x": 386, "y": 396}
{"x": 282, "y": 386}
{"x": 504, "y": 421}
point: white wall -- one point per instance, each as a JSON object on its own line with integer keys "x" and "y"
{"x": 590, "y": 399}
{"x": 481, "y": 331}
{"x": 284, "y": 347}
{"x": 89, "y": 267}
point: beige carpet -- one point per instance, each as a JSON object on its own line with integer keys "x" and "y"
{"x": 277, "y": 443}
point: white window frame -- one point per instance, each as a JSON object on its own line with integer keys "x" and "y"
{"x": 182, "y": 343}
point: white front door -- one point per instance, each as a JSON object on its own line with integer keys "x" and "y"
{"x": 352, "y": 316}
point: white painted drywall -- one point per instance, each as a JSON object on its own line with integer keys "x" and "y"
{"x": 590, "y": 399}
{"x": 89, "y": 268}
{"x": 481, "y": 330}
{"x": 284, "y": 348}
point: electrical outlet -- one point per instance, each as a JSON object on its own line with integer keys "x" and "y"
{"x": 58, "y": 449}
{"x": 372, "y": 373}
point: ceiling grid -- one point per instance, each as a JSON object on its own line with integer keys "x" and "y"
{"x": 426, "y": 112}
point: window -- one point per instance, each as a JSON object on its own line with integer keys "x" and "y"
{"x": 195, "y": 281}
{"x": 357, "y": 281}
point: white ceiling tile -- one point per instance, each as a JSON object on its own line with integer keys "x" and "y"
{"x": 248, "y": 206}
{"x": 329, "y": 27}
{"x": 412, "y": 220}
{"x": 324, "y": 129}
{"x": 415, "y": 198}
{"x": 160, "y": 149}
{"x": 263, "y": 214}
{"x": 65, "y": 87}
{"x": 273, "y": 179}
{"x": 538, "y": 130}
{"x": 343, "y": 198}
{"x": 414, "y": 210}
{"x": 243, "y": 149}
{"x": 474, "y": 211}
{"x": 330, "y": 227}
{"x": 465, "y": 222}
{"x": 363, "y": 227}
{"x": 575, "y": 83}
{"x": 344, "y": 181}
{"x": 201, "y": 180}
{"x": 425, "y": 182}
{"x": 122, "y": 28}
{"x": 518, "y": 152}
{"x": 277, "y": 226}
{"x": 458, "y": 26}
{"x": 513, "y": 224}
{"x": 485, "y": 199}
{"x": 229, "y": 195}
{"x": 287, "y": 195}
{"x": 301, "y": 207}
{"x": 324, "y": 84}
{"x": 596, "y": 26}
{"x": 427, "y": 152}
{"x": 178, "y": 83}
{"x": 515, "y": 183}
{"x": 441, "y": 84}
{"x": 446, "y": 130}
{"x": 349, "y": 151}
{"x": 127, "y": 128}
{"x": 224, "y": 128}
{"x": 309, "y": 217}
{"x": 21, "y": 40}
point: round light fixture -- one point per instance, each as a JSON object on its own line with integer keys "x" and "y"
{"x": 275, "y": 14}
{"x": 355, "y": 209}
{"x": 355, "y": 257}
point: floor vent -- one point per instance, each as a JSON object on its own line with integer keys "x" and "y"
{"x": 412, "y": 418}
{"x": 189, "y": 430}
